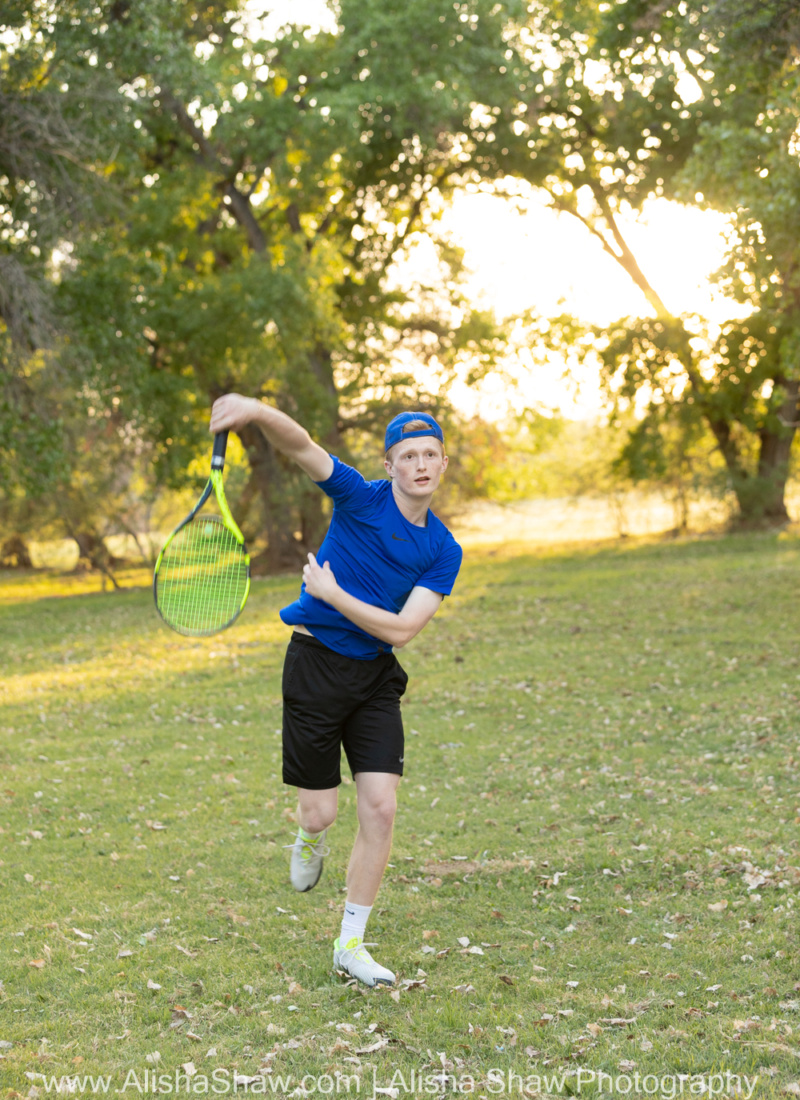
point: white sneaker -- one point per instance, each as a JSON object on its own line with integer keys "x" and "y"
{"x": 306, "y": 863}
{"x": 358, "y": 963}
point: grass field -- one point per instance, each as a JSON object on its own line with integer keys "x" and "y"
{"x": 595, "y": 864}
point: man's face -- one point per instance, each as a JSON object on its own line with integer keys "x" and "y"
{"x": 416, "y": 465}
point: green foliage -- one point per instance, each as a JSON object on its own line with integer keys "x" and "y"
{"x": 268, "y": 188}
{"x": 644, "y": 100}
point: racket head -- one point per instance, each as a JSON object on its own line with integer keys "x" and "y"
{"x": 202, "y": 577}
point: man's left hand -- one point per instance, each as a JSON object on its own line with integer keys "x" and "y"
{"x": 319, "y": 580}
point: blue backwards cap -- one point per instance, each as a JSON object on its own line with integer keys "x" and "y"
{"x": 395, "y": 433}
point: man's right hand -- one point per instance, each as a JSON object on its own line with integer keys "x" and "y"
{"x": 232, "y": 412}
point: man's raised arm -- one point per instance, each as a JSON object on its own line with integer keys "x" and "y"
{"x": 232, "y": 412}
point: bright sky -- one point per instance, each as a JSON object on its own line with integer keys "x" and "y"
{"x": 542, "y": 261}
{"x": 549, "y": 262}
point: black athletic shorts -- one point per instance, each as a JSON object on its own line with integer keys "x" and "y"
{"x": 331, "y": 701}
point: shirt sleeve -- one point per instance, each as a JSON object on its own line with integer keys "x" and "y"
{"x": 442, "y": 574}
{"x": 347, "y": 488}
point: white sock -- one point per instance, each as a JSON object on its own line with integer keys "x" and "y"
{"x": 354, "y": 922}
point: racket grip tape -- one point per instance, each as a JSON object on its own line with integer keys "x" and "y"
{"x": 218, "y": 454}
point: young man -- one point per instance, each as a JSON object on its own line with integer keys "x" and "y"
{"x": 379, "y": 577}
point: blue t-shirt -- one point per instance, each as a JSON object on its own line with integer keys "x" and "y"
{"x": 377, "y": 556}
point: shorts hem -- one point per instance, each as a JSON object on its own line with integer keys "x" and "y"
{"x": 294, "y": 782}
{"x": 379, "y": 771}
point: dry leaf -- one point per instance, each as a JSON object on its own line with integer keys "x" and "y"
{"x": 152, "y": 985}
{"x": 718, "y": 906}
{"x": 379, "y": 1045}
{"x": 38, "y": 963}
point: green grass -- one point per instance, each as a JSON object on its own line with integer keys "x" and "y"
{"x": 601, "y": 751}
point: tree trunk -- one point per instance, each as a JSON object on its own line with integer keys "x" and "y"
{"x": 283, "y": 550}
{"x": 774, "y": 455}
{"x": 14, "y": 553}
{"x": 313, "y": 522}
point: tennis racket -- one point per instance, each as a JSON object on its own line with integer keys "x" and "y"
{"x": 202, "y": 577}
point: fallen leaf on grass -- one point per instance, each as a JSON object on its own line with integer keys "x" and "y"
{"x": 505, "y": 978}
{"x": 152, "y": 985}
{"x": 124, "y": 954}
{"x": 617, "y": 1021}
{"x": 718, "y": 906}
{"x": 38, "y": 963}
{"x": 464, "y": 989}
{"x": 83, "y": 935}
{"x": 194, "y": 1037}
{"x": 379, "y": 1045}
{"x": 594, "y": 1029}
{"x": 186, "y": 951}
{"x": 413, "y": 983}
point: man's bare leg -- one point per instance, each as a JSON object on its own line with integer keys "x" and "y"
{"x": 316, "y": 810}
{"x": 376, "y": 804}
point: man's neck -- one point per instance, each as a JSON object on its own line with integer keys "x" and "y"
{"x": 416, "y": 510}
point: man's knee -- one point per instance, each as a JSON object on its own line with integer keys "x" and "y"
{"x": 377, "y": 810}
{"x": 317, "y": 813}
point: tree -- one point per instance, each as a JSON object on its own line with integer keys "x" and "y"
{"x": 52, "y": 161}
{"x": 269, "y": 188}
{"x": 633, "y": 100}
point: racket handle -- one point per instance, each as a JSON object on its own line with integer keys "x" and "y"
{"x": 218, "y": 454}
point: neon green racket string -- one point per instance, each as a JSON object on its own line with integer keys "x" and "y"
{"x": 202, "y": 578}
